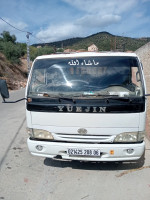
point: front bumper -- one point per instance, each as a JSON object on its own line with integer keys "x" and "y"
{"x": 53, "y": 149}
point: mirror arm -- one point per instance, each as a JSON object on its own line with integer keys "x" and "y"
{"x": 13, "y": 101}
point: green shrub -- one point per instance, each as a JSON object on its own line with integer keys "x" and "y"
{"x": 12, "y": 50}
{"x": 34, "y": 52}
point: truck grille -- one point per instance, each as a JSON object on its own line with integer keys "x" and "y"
{"x": 83, "y": 138}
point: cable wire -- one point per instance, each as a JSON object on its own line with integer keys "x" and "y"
{"x": 24, "y": 31}
{"x": 37, "y": 38}
{"x": 14, "y": 26}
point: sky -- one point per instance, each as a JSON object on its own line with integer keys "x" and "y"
{"x": 55, "y": 20}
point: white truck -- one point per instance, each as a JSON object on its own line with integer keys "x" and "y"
{"x": 87, "y": 106}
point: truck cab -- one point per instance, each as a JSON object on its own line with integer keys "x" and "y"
{"x": 87, "y": 106}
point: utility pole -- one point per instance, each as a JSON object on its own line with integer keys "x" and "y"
{"x": 28, "y": 52}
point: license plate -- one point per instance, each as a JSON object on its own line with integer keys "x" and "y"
{"x": 83, "y": 152}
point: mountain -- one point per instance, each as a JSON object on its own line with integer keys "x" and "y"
{"x": 103, "y": 40}
{"x": 61, "y": 44}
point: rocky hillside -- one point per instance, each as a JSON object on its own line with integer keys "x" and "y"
{"x": 15, "y": 75}
{"x": 144, "y": 55}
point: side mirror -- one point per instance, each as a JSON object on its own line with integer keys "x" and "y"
{"x": 4, "y": 89}
{"x": 137, "y": 77}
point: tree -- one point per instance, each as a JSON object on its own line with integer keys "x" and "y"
{"x": 6, "y": 37}
{"x": 34, "y": 52}
{"x": 12, "y": 50}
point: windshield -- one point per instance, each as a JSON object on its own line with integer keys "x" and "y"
{"x": 86, "y": 76}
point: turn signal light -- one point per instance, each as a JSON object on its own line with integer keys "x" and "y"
{"x": 29, "y": 100}
{"x": 111, "y": 152}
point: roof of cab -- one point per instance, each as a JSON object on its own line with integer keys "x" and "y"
{"x": 86, "y": 54}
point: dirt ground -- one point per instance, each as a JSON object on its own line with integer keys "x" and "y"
{"x": 15, "y": 75}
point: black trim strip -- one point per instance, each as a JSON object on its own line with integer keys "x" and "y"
{"x": 58, "y": 141}
{"x": 89, "y": 107}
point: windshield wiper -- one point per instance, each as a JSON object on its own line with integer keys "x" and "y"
{"x": 67, "y": 99}
{"x": 126, "y": 99}
{"x": 95, "y": 95}
{"x": 106, "y": 97}
{"x": 59, "y": 97}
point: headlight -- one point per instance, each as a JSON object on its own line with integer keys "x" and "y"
{"x": 130, "y": 137}
{"x": 39, "y": 134}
